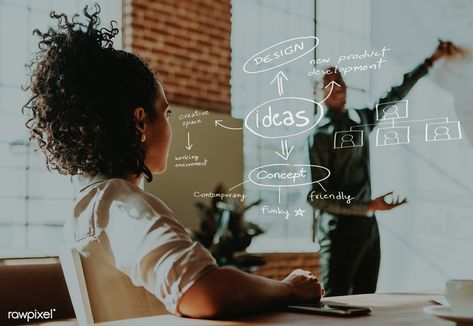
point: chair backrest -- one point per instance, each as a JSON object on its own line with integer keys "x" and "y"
{"x": 74, "y": 275}
{"x": 99, "y": 292}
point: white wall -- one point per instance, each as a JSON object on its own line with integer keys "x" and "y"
{"x": 430, "y": 239}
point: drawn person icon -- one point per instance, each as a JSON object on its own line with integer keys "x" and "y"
{"x": 391, "y": 138}
{"x": 441, "y": 133}
{"x": 391, "y": 112}
{"x": 347, "y": 141}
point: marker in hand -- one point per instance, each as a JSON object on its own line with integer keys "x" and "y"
{"x": 446, "y": 49}
{"x": 382, "y": 204}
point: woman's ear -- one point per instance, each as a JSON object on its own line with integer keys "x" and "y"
{"x": 140, "y": 115}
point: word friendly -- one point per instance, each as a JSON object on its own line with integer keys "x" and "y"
{"x": 193, "y": 118}
{"x": 324, "y": 196}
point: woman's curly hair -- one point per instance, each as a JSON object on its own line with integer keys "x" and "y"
{"x": 84, "y": 94}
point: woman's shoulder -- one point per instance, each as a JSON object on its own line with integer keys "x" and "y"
{"x": 123, "y": 191}
{"x": 119, "y": 199}
{"x": 120, "y": 192}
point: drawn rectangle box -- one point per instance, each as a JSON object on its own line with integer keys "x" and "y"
{"x": 392, "y": 110}
{"x": 348, "y": 138}
{"x": 392, "y": 136}
{"x": 441, "y": 131}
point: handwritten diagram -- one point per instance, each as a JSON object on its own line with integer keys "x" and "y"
{"x": 392, "y": 117}
{"x": 289, "y": 119}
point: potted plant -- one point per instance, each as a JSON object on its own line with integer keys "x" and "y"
{"x": 226, "y": 233}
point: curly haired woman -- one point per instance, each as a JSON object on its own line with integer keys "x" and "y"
{"x": 100, "y": 113}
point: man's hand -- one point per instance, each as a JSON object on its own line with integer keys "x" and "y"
{"x": 446, "y": 49}
{"x": 381, "y": 204}
{"x": 305, "y": 286}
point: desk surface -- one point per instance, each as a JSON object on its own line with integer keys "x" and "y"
{"x": 388, "y": 309}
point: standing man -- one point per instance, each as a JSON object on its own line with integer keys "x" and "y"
{"x": 347, "y": 229}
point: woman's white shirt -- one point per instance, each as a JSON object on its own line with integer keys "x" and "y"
{"x": 137, "y": 225}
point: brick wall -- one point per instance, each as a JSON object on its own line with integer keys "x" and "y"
{"x": 187, "y": 44}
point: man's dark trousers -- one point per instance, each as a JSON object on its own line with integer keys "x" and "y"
{"x": 350, "y": 254}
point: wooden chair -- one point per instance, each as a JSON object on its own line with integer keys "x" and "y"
{"x": 99, "y": 292}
